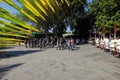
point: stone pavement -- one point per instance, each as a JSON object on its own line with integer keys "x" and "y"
{"x": 85, "y": 63}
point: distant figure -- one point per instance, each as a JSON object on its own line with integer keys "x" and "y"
{"x": 19, "y": 43}
{"x": 25, "y": 43}
{"x": 70, "y": 43}
{"x": 77, "y": 41}
{"x": 58, "y": 44}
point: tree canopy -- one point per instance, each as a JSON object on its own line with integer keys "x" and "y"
{"x": 106, "y": 14}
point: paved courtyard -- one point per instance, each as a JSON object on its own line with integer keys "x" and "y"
{"x": 86, "y": 62}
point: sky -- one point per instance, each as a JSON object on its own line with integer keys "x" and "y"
{"x": 9, "y": 8}
{"x": 12, "y": 10}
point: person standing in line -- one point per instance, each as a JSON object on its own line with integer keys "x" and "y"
{"x": 58, "y": 44}
{"x": 68, "y": 43}
{"x": 71, "y": 43}
{"x": 25, "y": 43}
{"x": 29, "y": 43}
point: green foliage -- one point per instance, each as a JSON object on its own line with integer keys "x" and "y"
{"x": 106, "y": 12}
{"x": 63, "y": 16}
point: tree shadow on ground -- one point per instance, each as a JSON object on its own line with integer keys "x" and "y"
{"x": 2, "y": 48}
{"x": 77, "y": 47}
{"x": 9, "y": 54}
{"x": 83, "y": 43}
{"x": 4, "y": 69}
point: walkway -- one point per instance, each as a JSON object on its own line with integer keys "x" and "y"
{"x": 85, "y": 63}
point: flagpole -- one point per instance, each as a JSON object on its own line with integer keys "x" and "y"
{"x": 115, "y": 38}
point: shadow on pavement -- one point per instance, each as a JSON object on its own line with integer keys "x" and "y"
{"x": 5, "y": 69}
{"x": 9, "y": 54}
{"x": 2, "y": 48}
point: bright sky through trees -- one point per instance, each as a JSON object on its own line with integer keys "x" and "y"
{"x": 11, "y": 9}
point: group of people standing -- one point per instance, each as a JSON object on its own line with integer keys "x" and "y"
{"x": 39, "y": 42}
{"x": 60, "y": 43}
{"x": 65, "y": 43}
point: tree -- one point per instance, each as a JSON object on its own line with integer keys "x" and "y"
{"x": 105, "y": 12}
{"x": 61, "y": 12}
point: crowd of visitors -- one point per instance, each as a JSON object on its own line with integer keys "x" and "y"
{"x": 60, "y": 43}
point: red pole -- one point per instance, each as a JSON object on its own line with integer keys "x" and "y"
{"x": 115, "y": 38}
{"x": 115, "y": 49}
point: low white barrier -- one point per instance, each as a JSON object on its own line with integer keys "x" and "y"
{"x": 113, "y": 45}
